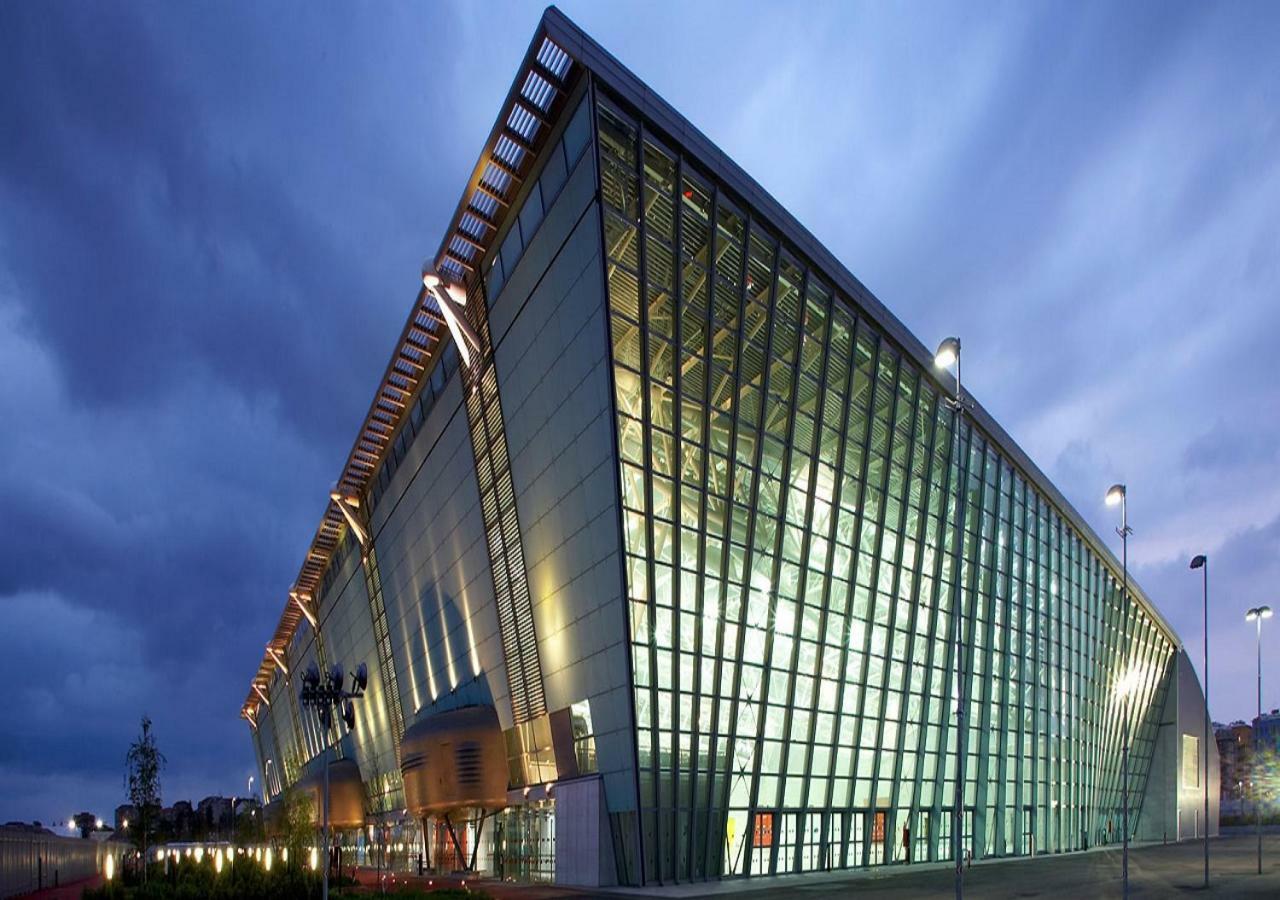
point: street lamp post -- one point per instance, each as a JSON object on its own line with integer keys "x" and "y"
{"x": 1256, "y": 615}
{"x": 1201, "y": 562}
{"x": 324, "y": 695}
{"x": 1118, "y": 494}
{"x": 947, "y": 355}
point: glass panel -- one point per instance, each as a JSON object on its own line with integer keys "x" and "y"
{"x": 796, "y": 567}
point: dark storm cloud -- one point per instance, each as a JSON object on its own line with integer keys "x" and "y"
{"x": 211, "y": 219}
{"x": 160, "y": 247}
{"x": 1226, "y": 446}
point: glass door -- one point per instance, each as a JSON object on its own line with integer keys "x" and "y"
{"x": 762, "y": 839}
{"x": 968, "y": 835}
{"x": 858, "y": 843}
{"x": 835, "y": 841}
{"x": 879, "y": 835}
{"x": 920, "y": 840}
{"x": 942, "y": 842}
{"x": 811, "y": 838}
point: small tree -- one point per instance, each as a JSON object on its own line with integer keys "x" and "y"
{"x": 143, "y": 765}
{"x": 297, "y": 823}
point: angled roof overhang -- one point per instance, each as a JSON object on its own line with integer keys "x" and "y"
{"x": 559, "y": 54}
{"x": 544, "y": 80}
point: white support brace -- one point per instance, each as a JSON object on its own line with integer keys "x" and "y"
{"x": 278, "y": 658}
{"x": 452, "y": 298}
{"x": 348, "y": 506}
{"x": 261, "y": 693}
{"x": 302, "y": 605}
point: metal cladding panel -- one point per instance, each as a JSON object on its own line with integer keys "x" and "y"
{"x": 455, "y": 760}
{"x": 346, "y": 794}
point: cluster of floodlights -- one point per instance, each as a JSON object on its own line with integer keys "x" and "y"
{"x": 324, "y": 694}
{"x": 947, "y": 356}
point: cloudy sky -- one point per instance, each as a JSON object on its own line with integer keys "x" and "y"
{"x": 212, "y": 218}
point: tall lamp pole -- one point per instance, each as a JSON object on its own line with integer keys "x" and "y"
{"x": 1201, "y": 562}
{"x": 947, "y": 355}
{"x": 1256, "y": 615}
{"x": 1117, "y": 494}
{"x": 324, "y": 695}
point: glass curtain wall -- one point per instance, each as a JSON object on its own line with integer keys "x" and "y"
{"x": 789, "y": 492}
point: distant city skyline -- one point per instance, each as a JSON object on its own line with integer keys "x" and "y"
{"x": 207, "y": 232}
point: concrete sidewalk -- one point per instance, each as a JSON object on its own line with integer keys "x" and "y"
{"x": 1154, "y": 871}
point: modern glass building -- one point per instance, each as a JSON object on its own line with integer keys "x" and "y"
{"x": 649, "y": 541}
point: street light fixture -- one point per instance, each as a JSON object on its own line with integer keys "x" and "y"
{"x": 323, "y": 695}
{"x": 1201, "y": 562}
{"x": 1256, "y": 615}
{"x": 1117, "y": 494}
{"x": 948, "y": 355}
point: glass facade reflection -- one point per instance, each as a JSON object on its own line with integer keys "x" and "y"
{"x": 789, "y": 490}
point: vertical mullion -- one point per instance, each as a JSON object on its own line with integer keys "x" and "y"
{"x": 948, "y": 476}
{"x": 655, "y": 723}
{"x": 766, "y": 382}
{"x": 836, "y": 512}
{"x": 874, "y": 389}
{"x": 878, "y": 720}
{"x": 803, "y": 562}
{"x": 982, "y": 787}
{"x": 912, "y": 631}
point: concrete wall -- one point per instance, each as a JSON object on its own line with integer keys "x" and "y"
{"x": 584, "y": 855}
{"x": 1173, "y": 804}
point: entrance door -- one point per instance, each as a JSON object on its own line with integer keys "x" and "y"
{"x": 920, "y": 839}
{"x": 942, "y": 848}
{"x": 811, "y": 835}
{"x": 879, "y": 836}
{"x": 858, "y": 839}
{"x": 969, "y": 834}
{"x": 835, "y": 841}
{"x": 762, "y": 842}
{"x": 1028, "y": 843}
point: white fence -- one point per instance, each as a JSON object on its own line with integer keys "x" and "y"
{"x": 30, "y": 861}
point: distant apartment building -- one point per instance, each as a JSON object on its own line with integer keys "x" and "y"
{"x": 1267, "y": 732}
{"x": 1235, "y": 756}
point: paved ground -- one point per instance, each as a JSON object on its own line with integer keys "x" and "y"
{"x": 1157, "y": 871}
{"x": 1154, "y": 871}
{"x": 70, "y": 891}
